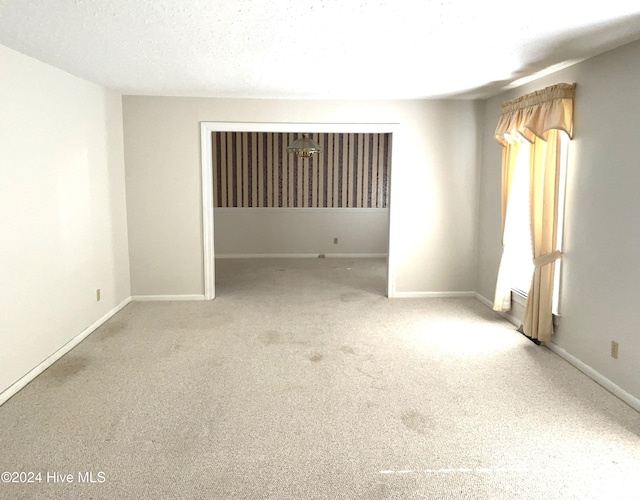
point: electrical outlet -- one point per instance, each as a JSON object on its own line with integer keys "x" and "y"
{"x": 335, "y": 241}
{"x": 614, "y": 349}
{"x": 98, "y": 295}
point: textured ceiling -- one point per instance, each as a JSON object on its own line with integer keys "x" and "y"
{"x": 322, "y": 49}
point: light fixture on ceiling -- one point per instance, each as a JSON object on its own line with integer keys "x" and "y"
{"x": 304, "y": 147}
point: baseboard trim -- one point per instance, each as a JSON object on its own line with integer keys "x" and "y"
{"x": 13, "y": 389}
{"x": 511, "y": 319}
{"x": 595, "y": 376}
{"x": 299, "y": 255}
{"x": 431, "y": 295}
{"x": 356, "y": 255}
{"x": 165, "y": 298}
{"x": 580, "y": 365}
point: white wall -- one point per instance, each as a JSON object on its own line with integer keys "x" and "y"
{"x": 62, "y": 210}
{"x": 433, "y": 184}
{"x": 601, "y": 276}
{"x": 301, "y": 231}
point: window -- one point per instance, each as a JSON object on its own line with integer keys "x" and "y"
{"x": 564, "y": 160}
{"x": 517, "y": 232}
{"x": 517, "y": 229}
{"x": 540, "y": 118}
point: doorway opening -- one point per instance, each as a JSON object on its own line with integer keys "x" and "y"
{"x": 208, "y": 222}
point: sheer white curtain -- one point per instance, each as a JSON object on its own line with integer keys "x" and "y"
{"x": 516, "y": 267}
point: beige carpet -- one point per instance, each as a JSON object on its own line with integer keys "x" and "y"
{"x": 301, "y": 380}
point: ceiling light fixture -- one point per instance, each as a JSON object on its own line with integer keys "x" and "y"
{"x": 304, "y": 147}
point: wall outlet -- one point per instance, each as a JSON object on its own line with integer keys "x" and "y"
{"x": 614, "y": 349}
{"x": 98, "y": 295}
{"x": 335, "y": 241}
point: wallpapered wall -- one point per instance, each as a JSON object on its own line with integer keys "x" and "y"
{"x": 253, "y": 169}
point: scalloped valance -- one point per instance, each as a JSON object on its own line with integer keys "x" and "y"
{"x": 533, "y": 115}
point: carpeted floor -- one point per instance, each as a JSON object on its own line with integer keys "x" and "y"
{"x": 301, "y": 380}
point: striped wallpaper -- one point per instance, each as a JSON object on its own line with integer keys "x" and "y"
{"x": 253, "y": 169}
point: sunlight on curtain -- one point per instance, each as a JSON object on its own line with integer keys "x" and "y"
{"x": 516, "y": 267}
{"x": 544, "y": 189}
{"x": 517, "y": 237}
{"x": 536, "y": 118}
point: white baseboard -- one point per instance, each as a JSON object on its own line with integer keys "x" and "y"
{"x": 595, "y": 376}
{"x": 267, "y": 256}
{"x": 164, "y": 298}
{"x": 22, "y": 382}
{"x": 299, "y": 255}
{"x": 484, "y": 300}
{"x": 580, "y": 365}
{"x": 356, "y": 255}
{"x": 511, "y": 319}
{"x": 431, "y": 295}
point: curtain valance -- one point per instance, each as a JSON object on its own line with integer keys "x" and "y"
{"x": 533, "y": 115}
